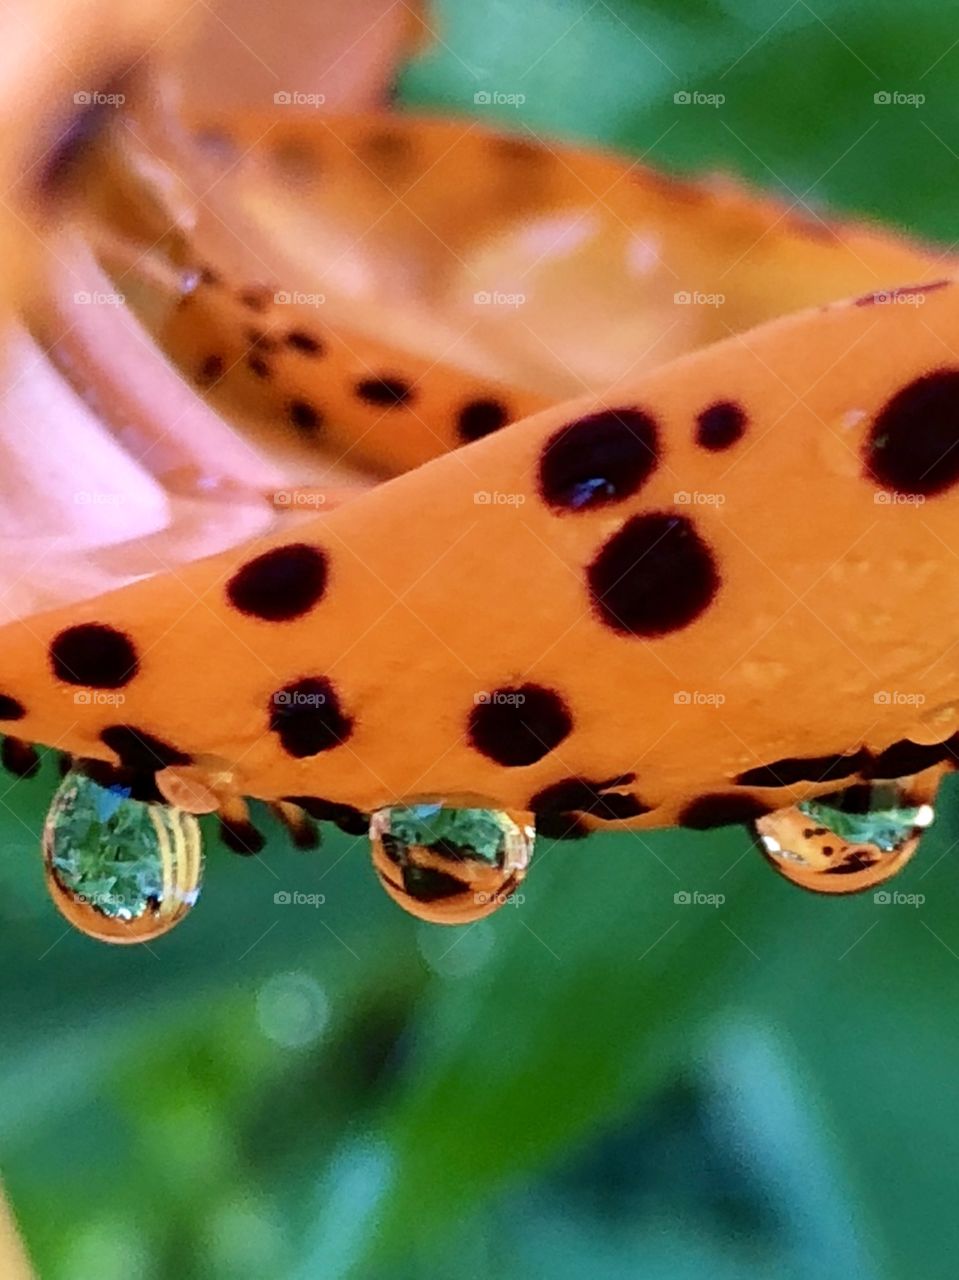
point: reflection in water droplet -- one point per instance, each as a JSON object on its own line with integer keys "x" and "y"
{"x": 118, "y": 869}
{"x": 450, "y": 866}
{"x": 847, "y": 841}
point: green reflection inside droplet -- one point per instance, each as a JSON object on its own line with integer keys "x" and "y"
{"x": 462, "y": 833}
{"x": 105, "y": 849}
{"x": 886, "y": 826}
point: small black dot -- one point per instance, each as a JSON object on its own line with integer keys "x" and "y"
{"x": 258, "y": 366}
{"x": 721, "y": 809}
{"x": 307, "y": 717}
{"x": 10, "y": 708}
{"x": 140, "y": 750}
{"x": 95, "y": 655}
{"x": 211, "y": 370}
{"x": 390, "y": 393}
{"x": 303, "y": 415}
{"x": 209, "y": 276}
{"x": 281, "y": 584}
{"x": 481, "y": 418}
{"x": 913, "y": 446}
{"x": 654, "y": 576}
{"x": 599, "y": 459}
{"x": 260, "y": 339}
{"x": 305, "y": 342}
{"x": 720, "y": 426}
{"x": 518, "y": 726}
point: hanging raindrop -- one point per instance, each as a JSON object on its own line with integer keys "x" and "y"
{"x": 450, "y": 866}
{"x": 847, "y": 841}
{"x": 118, "y": 869}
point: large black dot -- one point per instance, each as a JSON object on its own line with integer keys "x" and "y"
{"x": 654, "y": 576}
{"x": 519, "y": 726}
{"x": 599, "y": 459}
{"x": 308, "y": 718}
{"x": 140, "y": 750}
{"x": 720, "y": 426}
{"x": 913, "y": 446}
{"x": 95, "y": 655}
{"x": 481, "y": 418}
{"x": 10, "y": 708}
{"x": 281, "y": 584}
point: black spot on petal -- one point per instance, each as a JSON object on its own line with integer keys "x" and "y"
{"x": 518, "y": 726}
{"x": 599, "y": 459}
{"x": 720, "y": 426}
{"x": 792, "y": 770}
{"x": 94, "y": 655}
{"x": 10, "y": 708}
{"x": 304, "y": 342}
{"x": 655, "y": 576}
{"x": 241, "y": 836}
{"x": 481, "y": 418}
{"x": 905, "y": 758}
{"x": 913, "y": 446}
{"x": 307, "y": 717}
{"x": 281, "y": 584}
{"x": 721, "y": 809}
{"x": 389, "y": 393}
{"x": 304, "y": 416}
{"x": 140, "y": 750}
{"x": 19, "y": 757}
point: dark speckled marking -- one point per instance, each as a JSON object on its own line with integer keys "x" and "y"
{"x": 790, "y": 771}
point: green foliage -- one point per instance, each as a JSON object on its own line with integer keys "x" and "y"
{"x": 666, "y": 1062}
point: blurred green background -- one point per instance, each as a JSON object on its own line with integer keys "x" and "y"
{"x": 600, "y": 1082}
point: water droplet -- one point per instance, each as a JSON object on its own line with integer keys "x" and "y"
{"x": 847, "y": 841}
{"x": 450, "y": 866}
{"x": 118, "y": 869}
